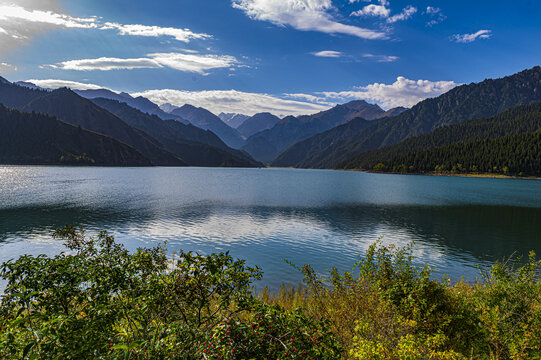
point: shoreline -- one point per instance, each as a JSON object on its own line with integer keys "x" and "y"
{"x": 465, "y": 175}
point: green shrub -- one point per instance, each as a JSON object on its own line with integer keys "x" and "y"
{"x": 98, "y": 301}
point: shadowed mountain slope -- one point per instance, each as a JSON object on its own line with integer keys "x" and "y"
{"x": 194, "y": 145}
{"x": 257, "y": 123}
{"x": 465, "y": 102}
{"x": 38, "y": 139}
{"x": 73, "y": 109}
{"x": 204, "y": 119}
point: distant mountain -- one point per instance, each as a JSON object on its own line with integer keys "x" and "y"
{"x": 168, "y": 107}
{"x": 29, "y": 85}
{"x": 414, "y": 151}
{"x": 257, "y": 123}
{"x": 194, "y": 145}
{"x": 38, "y": 139}
{"x": 204, "y": 119}
{"x": 268, "y": 144}
{"x": 16, "y": 97}
{"x": 232, "y": 119}
{"x": 4, "y": 81}
{"x": 393, "y": 112}
{"x": 465, "y": 102}
{"x": 140, "y": 103}
{"x": 73, "y": 109}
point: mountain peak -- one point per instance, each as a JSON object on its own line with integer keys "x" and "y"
{"x": 188, "y": 107}
{"x": 64, "y": 91}
{"x": 359, "y": 105}
{"x": 167, "y": 107}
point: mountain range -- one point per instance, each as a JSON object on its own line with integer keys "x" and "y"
{"x": 194, "y": 145}
{"x": 232, "y": 119}
{"x": 258, "y": 122}
{"x": 38, "y": 139}
{"x": 200, "y": 147}
{"x": 204, "y": 119}
{"x": 424, "y": 152}
{"x": 465, "y": 102}
{"x": 354, "y": 135}
{"x": 266, "y": 145}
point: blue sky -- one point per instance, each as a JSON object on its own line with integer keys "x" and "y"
{"x": 283, "y": 56}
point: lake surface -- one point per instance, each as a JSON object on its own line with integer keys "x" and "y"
{"x": 325, "y": 218}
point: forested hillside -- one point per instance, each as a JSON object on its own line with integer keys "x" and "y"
{"x": 37, "y": 139}
{"x": 519, "y": 120}
{"x": 465, "y": 102}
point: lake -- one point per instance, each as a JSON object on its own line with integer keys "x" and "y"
{"x": 324, "y": 218}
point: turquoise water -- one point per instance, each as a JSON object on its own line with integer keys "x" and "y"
{"x": 325, "y": 218}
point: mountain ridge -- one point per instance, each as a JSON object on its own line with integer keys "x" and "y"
{"x": 194, "y": 145}
{"x": 465, "y": 102}
{"x": 73, "y": 109}
{"x": 39, "y": 139}
{"x": 204, "y": 119}
{"x": 268, "y": 144}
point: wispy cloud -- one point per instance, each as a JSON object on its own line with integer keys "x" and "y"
{"x": 184, "y": 35}
{"x": 381, "y": 58}
{"x": 232, "y": 101}
{"x": 306, "y": 15}
{"x": 403, "y": 92}
{"x": 56, "y": 83}
{"x": 406, "y": 13}
{"x": 328, "y": 54}
{"x": 18, "y": 13}
{"x": 435, "y": 14}
{"x": 309, "y": 97}
{"x": 373, "y": 10}
{"x": 179, "y": 61}
{"x": 383, "y": 10}
{"x": 18, "y": 23}
{"x": 7, "y": 67}
{"x": 468, "y": 38}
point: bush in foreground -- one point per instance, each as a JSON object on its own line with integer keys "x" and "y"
{"x": 387, "y": 308}
{"x": 98, "y": 301}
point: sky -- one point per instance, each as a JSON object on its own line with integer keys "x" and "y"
{"x": 282, "y": 56}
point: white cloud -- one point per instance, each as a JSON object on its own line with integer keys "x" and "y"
{"x": 310, "y": 98}
{"x": 381, "y": 58}
{"x": 178, "y": 61}
{"x": 55, "y": 84}
{"x": 383, "y": 11}
{"x": 106, "y": 64}
{"x": 306, "y": 15}
{"x": 194, "y": 63}
{"x": 19, "y": 23}
{"x": 435, "y": 14}
{"x": 232, "y": 101}
{"x": 184, "y": 35}
{"x": 468, "y": 38}
{"x": 432, "y": 10}
{"x": 406, "y": 13}
{"x": 328, "y": 53}
{"x": 18, "y": 13}
{"x": 403, "y": 92}
{"x": 7, "y": 67}
{"x": 373, "y": 10}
